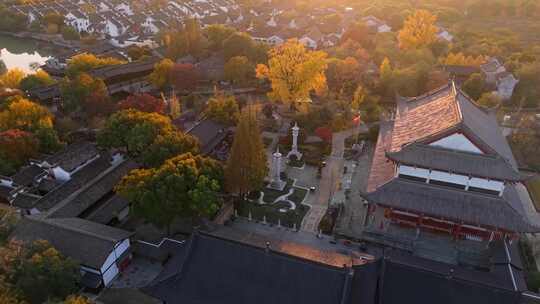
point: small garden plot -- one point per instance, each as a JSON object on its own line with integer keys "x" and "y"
{"x": 279, "y": 211}
{"x": 271, "y": 195}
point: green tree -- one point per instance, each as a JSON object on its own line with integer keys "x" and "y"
{"x": 183, "y": 187}
{"x": 239, "y": 70}
{"x": 223, "y": 109}
{"x": 70, "y": 33}
{"x": 237, "y": 44}
{"x": 187, "y": 40}
{"x": 217, "y": 33}
{"x": 474, "y": 86}
{"x": 10, "y": 21}
{"x": 16, "y": 147}
{"x": 38, "y": 272}
{"x": 161, "y": 76}
{"x": 133, "y": 131}
{"x": 247, "y": 165}
{"x": 36, "y": 80}
{"x": 489, "y": 100}
{"x": 85, "y": 93}
{"x": 169, "y": 145}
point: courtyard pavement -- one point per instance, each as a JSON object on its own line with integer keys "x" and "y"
{"x": 351, "y": 220}
{"x": 330, "y": 181}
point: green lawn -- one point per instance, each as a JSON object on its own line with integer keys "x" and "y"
{"x": 534, "y": 189}
{"x": 270, "y": 195}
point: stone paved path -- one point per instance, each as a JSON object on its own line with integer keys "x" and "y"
{"x": 330, "y": 180}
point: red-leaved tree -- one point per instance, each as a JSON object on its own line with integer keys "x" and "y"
{"x": 184, "y": 76}
{"x": 144, "y": 103}
{"x": 324, "y": 133}
{"x": 18, "y": 146}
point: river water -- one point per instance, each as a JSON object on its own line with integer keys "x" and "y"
{"x": 23, "y": 53}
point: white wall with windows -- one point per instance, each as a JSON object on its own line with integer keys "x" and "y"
{"x": 449, "y": 179}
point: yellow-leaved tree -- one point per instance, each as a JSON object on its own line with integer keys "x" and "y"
{"x": 418, "y": 31}
{"x": 12, "y": 78}
{"x": 461, "y": 59}
{"x": 294, "y": 72}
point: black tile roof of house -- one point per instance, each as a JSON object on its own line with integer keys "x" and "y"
{"x": 209, "y": 133}
{"x": 216, "y": 270}
{"x": 77, "y": 181}
{"x": 5, "y": 192}
{"x": 25, "y": 200}
{"x": 73, "y": 156}
{"x": 87, "y": 242}
{"x": 467, "y": 163}
{"x": 209, "y": 269}
{"x": 453, "y": 204}
{"x": 86, "y": 196}
{"x": 408, "y": 279}
{"x": 109, "y": 210}
{"x": 27, "y": 175}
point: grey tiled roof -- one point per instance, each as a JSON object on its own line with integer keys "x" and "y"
{"x": 109, "y": 210}
{"x": 26, "y": 175}
{"x": 480, "y": 165}
{"x": 222, "y": 271}
{"x": 452, "y": 204}
{"x": 85, "y": 197}
{"x": 87, "y": 242}
{"x": 77, "y": 181}
{"x": 25, "y": 200}
{"x": 73, "y": 155}
{"x": 209, "y": 133}
{"x": 484, "y": 126}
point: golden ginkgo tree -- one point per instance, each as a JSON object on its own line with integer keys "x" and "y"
{"x": 419, "y": 30}
{"x": 294, "y": 72}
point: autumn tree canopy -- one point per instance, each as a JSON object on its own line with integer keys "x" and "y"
{"x": 161, "y": 76}
{"x": 86, "y": 62}
{"x": 184, "y": 186}
{"x": 25, "y": 115}
{"x": 418, "y": 30}
{"x": 239, "y": 70}
{"x": 143, "y": 102}
{"x": 37, "y": 272}
{"x": 12, "y": 78}
{"x": 247, "y": 166}
{"x": 87, "y": 94}
{"x": 184, "y": 77}
{"x": 223, "y": 109}
{"x": 39, "y": 79}
{"x": 150, "y": 137}
{"x": 16, "y": 147}
{"x": 294, "y": 72}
